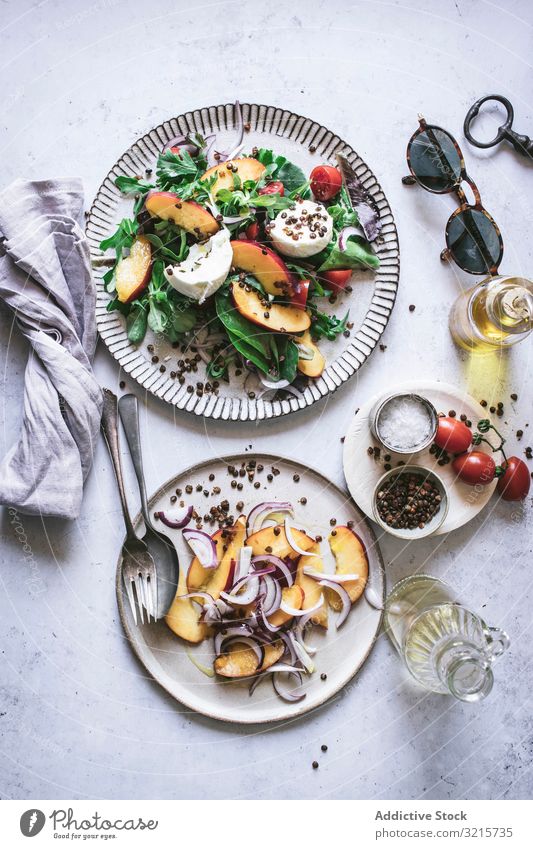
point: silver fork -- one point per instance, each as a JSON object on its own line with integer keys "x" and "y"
{"x": 138, "y": 567}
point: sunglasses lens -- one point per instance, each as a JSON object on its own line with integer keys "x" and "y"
{"x": 474, "y": 241}
{"x": 434, "y": 160}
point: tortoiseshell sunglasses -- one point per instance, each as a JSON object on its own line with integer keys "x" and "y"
{"x": 436, "y": 162}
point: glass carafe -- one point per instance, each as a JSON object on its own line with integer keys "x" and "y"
{"x": 496, "y": 313}
{"x": 446, "y": 648}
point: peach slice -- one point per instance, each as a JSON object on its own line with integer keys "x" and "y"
{"x": 311, "y": 587}
{"x": 314, "y": 367}
{"x": 214, "y": 581}
{"x": 247, "y": 168}
{"x": 241, "y": 661}
{"x": 184, "y": 213}
{"x": 276, "y": 541}
{"x": 294, "y": 597}
{"x": 184, "y": 617}
{"x": 133, "y": 271}
{"x": 350, "y": 557}
{"x": 265, "y": 265}
{"x": 275, "y": 317}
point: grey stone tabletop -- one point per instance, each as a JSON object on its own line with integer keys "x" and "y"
{"x": 81, "y": 81}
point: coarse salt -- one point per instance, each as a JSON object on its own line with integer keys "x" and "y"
{"x": 404, "y": 423}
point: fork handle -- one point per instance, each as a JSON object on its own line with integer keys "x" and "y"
{"x": 129, "y": 414}
{"x": 110, "y": 431}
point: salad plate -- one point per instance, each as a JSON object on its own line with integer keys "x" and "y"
{"x": 245, "y": 351}
{"x": 186, "y": 669}
{"x": 363, "y": 471}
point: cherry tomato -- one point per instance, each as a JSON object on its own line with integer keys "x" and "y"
{"x": 453, "y": 435}
{"x": 274, "y": 188}
{"x": 175, "y": 150}
{"x": 252, "y": 231}
{"x": 326, "y": 182}
{"x": 514, "y": 484}
{"x": 338, "y": 278}
{"x": 475, "y": 467}
{"x": 299, "y": 299}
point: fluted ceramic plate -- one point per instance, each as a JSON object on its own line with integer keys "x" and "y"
{"x": 178, "y": 667}
{"x": 306, "y": 143}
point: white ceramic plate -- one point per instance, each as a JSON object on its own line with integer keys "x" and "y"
{"x": 362, "y": 471}
{"x": 340, "y": 654}
{"x": 306, "y": 143}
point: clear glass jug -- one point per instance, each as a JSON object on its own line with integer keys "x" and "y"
{"x": 446, "y": 648}
{"x": 494, "y": 314}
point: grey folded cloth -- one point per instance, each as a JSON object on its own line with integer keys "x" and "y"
{"x": 45, "y": 277}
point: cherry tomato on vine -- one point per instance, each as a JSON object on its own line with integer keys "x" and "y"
{"x": 514, "y": 483}
{"x": 476, "y": 467}
{"x": 175, "y": 150}
{"x": 252, "y": 231}
{"x": 326, "y": 182}
{"x": 274, "y": 188}
{"x": 453, "y": 435}
{"x": 338, "y": 278}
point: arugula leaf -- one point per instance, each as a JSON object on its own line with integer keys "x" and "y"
{"x": 180, "y": 172}
{"x": 133, "y": 185}
{"x": 123, "y": 237}
{"x": 357, "y": 254}
{"x": 280, "y": 168}
{"x": 327, "y": 325}
{"x": 136, "y": 322}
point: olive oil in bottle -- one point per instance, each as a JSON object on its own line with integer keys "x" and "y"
{"x": 493, "y": 314}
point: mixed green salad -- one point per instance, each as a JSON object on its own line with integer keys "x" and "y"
{"x": 234, "y": 254}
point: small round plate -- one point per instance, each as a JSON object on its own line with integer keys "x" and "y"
{"x": 362, "y": 471}
{"x": 175, "y": 665}
{"x": 306, "y": 143}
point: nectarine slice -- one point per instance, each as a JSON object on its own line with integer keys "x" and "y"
{"x": 184, "y": 617}
{"x": 246, "y": 168}
{"x": 240, "y": 661}
{"x": 214, "y": 581}
{"x": 275, "y": 317}
{"x": 312, "y": 589}
{"x": 292, "y": 596}
{"x": 275, "y": 540}
{"x": 310, "y": 367}
{"x": 265, "y": 265}
{"x": 350, "y": 558}
{"x": 133, "y": 271}
{"x": 184, "y": 213}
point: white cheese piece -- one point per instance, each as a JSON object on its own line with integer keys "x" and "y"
{"x": 204, "y": 270}
{"x": 303, "y": 231}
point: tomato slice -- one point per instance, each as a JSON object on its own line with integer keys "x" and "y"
{"x": 338, "y": 278}
{"x": 515, "y": 482}
{"x": 274, "y": 188}
{"x": 326, "y": 182}
{"x": 476, "y": 467}
{"x": 453, "y": 435}
{"x": 252, "y": 231}
{"x": 299, "y": 299}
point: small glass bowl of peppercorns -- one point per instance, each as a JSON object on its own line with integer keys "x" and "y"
{"x": 410, "y": 502}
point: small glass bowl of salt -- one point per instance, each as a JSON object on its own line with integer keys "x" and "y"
{"x": 404, "y": 423}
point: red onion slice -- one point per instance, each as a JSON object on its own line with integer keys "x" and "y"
{"x": 203, "y": 547}
{"x": 278, "y": 565}
{"x": 292, "y": 542}
{"x": 241, "y": 630}
{"x": 244, "y": 562}
{"x": 299, "y": 630}
{"x": 304, "y": 351}
{"x": 301, "y": 654}
{"x": 177, "y": 520}
{"x": 197, "y": 596}
{"x": 246, "y": 597}
{"x": 345, "y": 234}
{"x": 262, "y": 511}
{"x": 295, "y": 695}
{"x": 336, "y": 579}
{"x": 264, "y": 620}
{"x": 293, "y": 612}
{"x": 276, "y": 667}
{"x": 344, "y": 597}
{"x": 273, "y": 384}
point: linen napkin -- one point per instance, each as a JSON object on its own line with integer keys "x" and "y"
{"x": 45, "y": 278}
